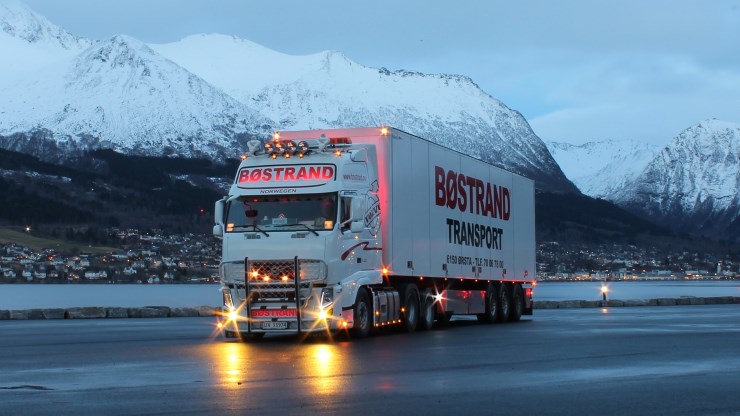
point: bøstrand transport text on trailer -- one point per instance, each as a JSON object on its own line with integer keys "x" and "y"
{"x": 357, "y": 229}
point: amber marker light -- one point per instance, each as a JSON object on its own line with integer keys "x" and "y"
{"x": 385, "y": 271}
{"x": 244, "y": 157}
{"x": 276, "y": 136}
{"x": 384, "y": 131}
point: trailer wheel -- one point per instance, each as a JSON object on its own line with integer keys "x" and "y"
{"x": 427, "y": 312}
{"x": 491, "y": 309}
{"x": 411, "y": 307}
{"x": 504, "y": 303}
{"x": 363, "y": 315}
{"x": 517, "y": 303}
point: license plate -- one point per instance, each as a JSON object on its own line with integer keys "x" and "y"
{"x": 274, "y": 325}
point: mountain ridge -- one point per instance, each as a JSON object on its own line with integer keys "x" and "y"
{"x": 123, "y": 94}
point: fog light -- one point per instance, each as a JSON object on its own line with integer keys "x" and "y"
{"x": 233, "y": 315}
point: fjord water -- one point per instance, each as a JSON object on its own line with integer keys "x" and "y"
{"x": 30, "y": 296}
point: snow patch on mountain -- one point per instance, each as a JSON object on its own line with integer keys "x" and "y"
{"x": 692, "y": 183}
{"x": 601, "y": 168}
{"x": 327, "y": 90}
{"x": 120, "y": 94}
{"x": 29, "y": 42}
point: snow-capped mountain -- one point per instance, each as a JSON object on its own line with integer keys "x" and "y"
{"x": 205, "y": 95}
{"x": 328, "y": 90}
{"x": 694, "y": 183}
{"x": 29, "y": 42}
{"x": 120, "y": 94}
{"x": 601, "y": 168}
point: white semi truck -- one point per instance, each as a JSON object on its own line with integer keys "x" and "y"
{"x": 362, "y": 228}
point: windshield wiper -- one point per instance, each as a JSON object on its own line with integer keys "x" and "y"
{"x": 298, "y": 223}
{"x": 256, "y": 228}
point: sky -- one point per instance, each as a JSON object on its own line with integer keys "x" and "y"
{"x": 578, "y": 70}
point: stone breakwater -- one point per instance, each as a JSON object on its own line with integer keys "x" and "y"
{"x": 616, "y": 303}
{"x": 199, "y": 311}
{"x": 95, "y": 312}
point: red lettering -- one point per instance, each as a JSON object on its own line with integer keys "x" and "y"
{"x": 462, "y": 200}
{"x": 278, "y": 171}
{"x": 286, "y": 173}
{"x": 255, "y": 176}
{"x": 507, "y": 204}
{"x": 458, "y": 191}
{"x": 489, "y": 201}
{"x": 471, "y": 184}
{"x": 301, "y": 174}
{"x": 451, "y": 189}
{"x": 479, "y": 210}
{"x": 314, "y": 173}
{"x": 439, "y": 186}
{"x": 327, "y": 172}
{"x": 497, "y": 203}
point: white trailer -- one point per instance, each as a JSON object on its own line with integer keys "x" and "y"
{"x": 356, "y": 229}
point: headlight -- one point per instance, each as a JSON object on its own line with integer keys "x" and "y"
{"x": 232, "y": 272}
{"x": 228, "y": 302}
{"x": 327, "y": 296}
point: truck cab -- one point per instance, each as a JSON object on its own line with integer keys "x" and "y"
{"x": 294, "y": 227}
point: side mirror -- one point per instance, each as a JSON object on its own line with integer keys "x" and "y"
{"x": 218, "y": 230}
{"x": 357, "y": 209}
{"x": 357, "y": 226}
{"x": 218, "y": 212}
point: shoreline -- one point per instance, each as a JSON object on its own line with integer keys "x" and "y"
{"x": 100, "y": 312}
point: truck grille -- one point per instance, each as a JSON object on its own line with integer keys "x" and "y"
{"x": 284, "y": 270}
{"x": 274, "y": 280}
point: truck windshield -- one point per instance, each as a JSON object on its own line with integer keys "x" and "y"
{"x": 282, "y": 213}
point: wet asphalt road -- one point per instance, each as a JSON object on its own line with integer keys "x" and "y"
{"x": 655, "y": 360}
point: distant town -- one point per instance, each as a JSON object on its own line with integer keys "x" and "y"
{"x": 154, "y": 257}
{"x": 144, "y": 258}
{"x": 628, "y": 262}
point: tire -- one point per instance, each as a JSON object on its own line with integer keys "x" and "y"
{"x": 491, "y": 312}
{"x": 426, "y": 311}
{"x": 517, "y": 303}
{"x": 363, "y": 315}
{"x": 411, "y": 304}
{"x": 504, "y": 303}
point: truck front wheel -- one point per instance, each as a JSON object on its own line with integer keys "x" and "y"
{"x": 362, "y": 314}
